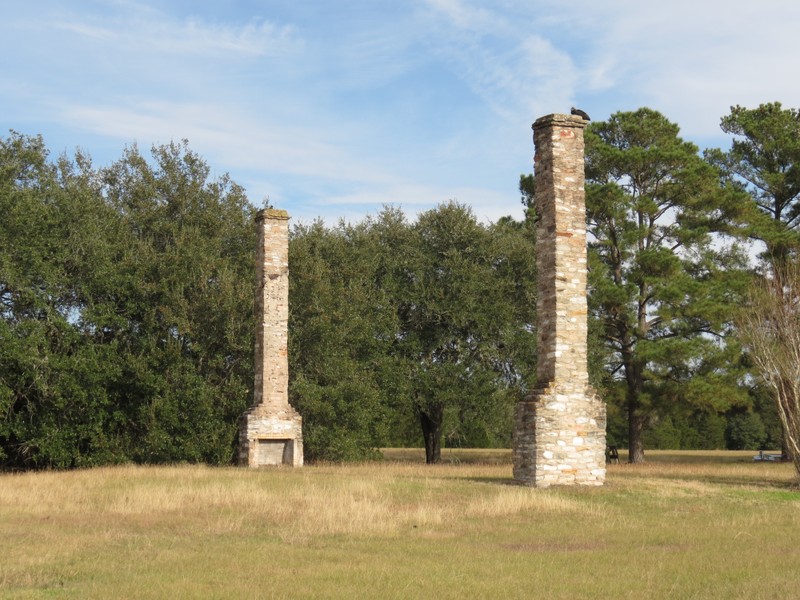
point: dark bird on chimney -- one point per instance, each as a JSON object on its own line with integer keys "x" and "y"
{"x": 580, "y": 113}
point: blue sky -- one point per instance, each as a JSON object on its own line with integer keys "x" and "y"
{"x": 334, "y": 108}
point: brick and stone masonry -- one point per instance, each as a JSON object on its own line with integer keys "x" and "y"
{"x": 559, "y": 429}
{"x": 271, "y": 432}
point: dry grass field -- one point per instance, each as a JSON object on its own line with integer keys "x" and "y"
{"x": 684, "y": 525}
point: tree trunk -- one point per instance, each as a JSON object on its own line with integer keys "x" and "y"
{"x": 431, "y": 422}
{"x": 633, "y": 380}
{"x": 786, "y": 397}
{"x": 786, "y": 455}
{"x": 635, "y": 443}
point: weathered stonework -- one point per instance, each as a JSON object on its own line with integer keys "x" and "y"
{"x": 559, "y": 430}
{"x": 271, "y": 432}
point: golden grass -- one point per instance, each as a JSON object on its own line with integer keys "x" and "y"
{"x": 324, "y": 500}
{"x": 688, "y": 525}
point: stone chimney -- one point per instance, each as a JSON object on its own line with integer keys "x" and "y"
{"x": 271, "y": 432}
{"x": 559, "y": 429}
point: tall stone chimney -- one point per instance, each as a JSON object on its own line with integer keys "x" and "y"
{"x": 271, "y": 432}
{"x": 559, "y": 429}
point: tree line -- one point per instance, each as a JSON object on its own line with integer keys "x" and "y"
{"x": 126, "y": 301}
{"x": 406, "y": 333}
{"x": 125, "y": 319}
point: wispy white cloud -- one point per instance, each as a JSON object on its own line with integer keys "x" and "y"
{"x": 517, "y": 71}
{"x": 468, "y": 17}
{"x": 692, "y": 61}
{"x": 157, "y": 33}
{"x": 95, "y": 32}
{"x": 236, "y": 142}
{"x": 346, "y": 107}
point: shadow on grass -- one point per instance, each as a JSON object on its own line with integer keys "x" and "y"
{"x": 495, "y": 480}
{"x": 452, "y": 456}
{"x": 756, "y": 480}
{"x": 734, "y": 469}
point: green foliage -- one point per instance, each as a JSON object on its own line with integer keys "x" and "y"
{"x": 661, "y": 284}
{"x": 52, "y": 377}
{"x": 126, "y": 312}
{"x": 341, "y": 328}
{"x": 664, "y": 436}
{"x": 764, "y": 160}
{"x": 395, "y": 326}
{"x": 682, "y": 430}
{"x": 710, "y": 429}
{"x": 466, "y": 312}
{"x": 765, "y": 406}
{"x": 125, "y": 328}
{"x": 188, "y": 316}
{"x": 746, "y": 431}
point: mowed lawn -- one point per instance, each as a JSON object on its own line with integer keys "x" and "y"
{"x": 684, "y": 525}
